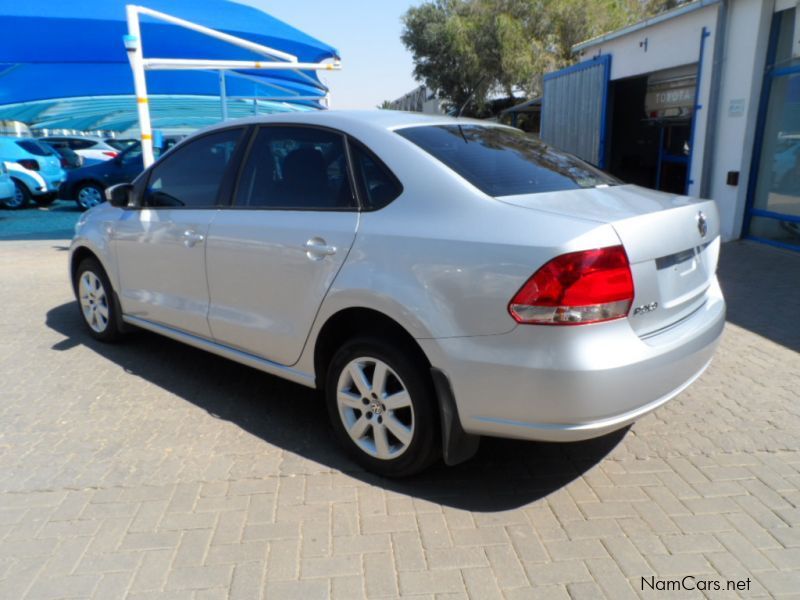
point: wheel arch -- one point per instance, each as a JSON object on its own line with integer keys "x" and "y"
{"x": 354, "y": 321}
{"x": 457, "y": 445}
{"x": 81, "y": 252}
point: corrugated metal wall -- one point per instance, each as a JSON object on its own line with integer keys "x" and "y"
{"x": 573, "y": 109}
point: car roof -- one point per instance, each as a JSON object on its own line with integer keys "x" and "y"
{"x": 341, "y": 119}
{"x": 72, "y": 137}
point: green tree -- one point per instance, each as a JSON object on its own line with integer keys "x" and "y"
{"x": 479, "y": 48}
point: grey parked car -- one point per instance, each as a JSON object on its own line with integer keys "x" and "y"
{"x": 439, "y": 279}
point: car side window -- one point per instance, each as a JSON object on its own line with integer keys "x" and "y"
{"x": 191, "y": 176}
{"x": 377, "y": 185}
{"x": 81, "y": 144}
{"x": 296, "y": 168}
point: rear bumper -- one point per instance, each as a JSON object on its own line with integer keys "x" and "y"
{"x": 574, "y": 383}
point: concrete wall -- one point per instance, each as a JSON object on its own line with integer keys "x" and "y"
{"x": 741, "y": 80}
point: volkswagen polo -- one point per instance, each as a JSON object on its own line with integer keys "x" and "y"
{"x": 439, "y": 279}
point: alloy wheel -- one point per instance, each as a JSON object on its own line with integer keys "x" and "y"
{"x": 375, "y": 408}
{"x": 94, "y": 301}
{"x": 89, "y": 196}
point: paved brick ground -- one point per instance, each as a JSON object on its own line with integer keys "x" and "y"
{"x": 152, "y": 470}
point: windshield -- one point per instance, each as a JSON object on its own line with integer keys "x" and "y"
{"x": 505, "y": 162}
{"x": 35, "y": 147}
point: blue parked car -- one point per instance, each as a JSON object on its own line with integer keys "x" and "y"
{"x": 87, "y": 185}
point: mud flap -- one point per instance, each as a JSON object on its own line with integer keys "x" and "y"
{"x": 457, "y": 445}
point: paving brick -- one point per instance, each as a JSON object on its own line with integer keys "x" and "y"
{"x": 379, "y": 577}
{"x": 563, "y": 572}
{"x": 408, "y": 552}
{"x": 298, "y": 590}
{"x": 199, "y": 578}
{"x": 456, "y": 558}
{"x": 431, "y": 582}
{"x": 481, "y": 583}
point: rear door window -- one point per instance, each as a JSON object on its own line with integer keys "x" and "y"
{"x": 502, "y": 161}
{"x": 296, "y": 168}
{"x": 377, "y": 185}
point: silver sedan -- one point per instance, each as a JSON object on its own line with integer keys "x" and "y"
{"x": 439, "y": 279}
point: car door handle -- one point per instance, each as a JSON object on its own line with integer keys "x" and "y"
{"x": 317, "y": 249}
{"x": 190, "y": 238}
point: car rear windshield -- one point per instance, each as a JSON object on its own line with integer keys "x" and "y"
{"x": 34, "y": 147}
{"x": 505, "y": 162}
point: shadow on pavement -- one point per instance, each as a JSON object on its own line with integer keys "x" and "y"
{"x": 762, "y": 288}
{"x": 505, "y": 474}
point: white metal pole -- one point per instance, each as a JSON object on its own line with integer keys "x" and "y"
{"x": 133, "y": 44}
{"x": 225, "y": 37}
{"x": 223, "y": 95}
{"x": 182, "y": 64}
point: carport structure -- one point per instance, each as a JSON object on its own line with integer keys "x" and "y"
{"x": 65, "y": 66}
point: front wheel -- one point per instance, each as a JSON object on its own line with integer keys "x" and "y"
{"x": 96, "y": 301}
{"x": 88, "y": 195}
{"x": 382, "y": 407}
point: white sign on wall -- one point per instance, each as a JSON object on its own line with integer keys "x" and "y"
{"x": 736, "y": 107}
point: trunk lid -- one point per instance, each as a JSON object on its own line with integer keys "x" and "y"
{"x": 672, "y": 244}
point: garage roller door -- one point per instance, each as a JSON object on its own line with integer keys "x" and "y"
{"x": 574, "y": 109}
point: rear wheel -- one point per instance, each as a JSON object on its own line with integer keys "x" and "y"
{"x": 96, "y": 301}
{"x": 382, "y": 407}
{"x": 20, "y": 198}
{"x": 88, "y": 195}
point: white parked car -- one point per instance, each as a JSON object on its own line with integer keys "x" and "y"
{"x": 90, "y": 148}
{"x": 35, "y": 170}
{"x": 7, "y": 189}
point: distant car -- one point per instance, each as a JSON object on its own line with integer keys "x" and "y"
{"x": 69, "y": 158}
{"x": 7, "y": 189}
{"x": 34, "y": 168}
{"x": 88, "y": 147}
{"x": 120, "y": 144}
{"x": 86, "y": 186}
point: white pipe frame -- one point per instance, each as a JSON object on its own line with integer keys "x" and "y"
{"x": 133, "y": 43}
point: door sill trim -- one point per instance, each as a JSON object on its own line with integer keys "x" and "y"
{"x": 238, "y": 356}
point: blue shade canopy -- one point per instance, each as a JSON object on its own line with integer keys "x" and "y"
{"x": 53, "y": 50}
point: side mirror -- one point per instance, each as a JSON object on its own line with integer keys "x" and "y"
{"x": 119, "y": 195}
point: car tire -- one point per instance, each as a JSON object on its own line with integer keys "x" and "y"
{"x": 45, "y": 200}
{"x": 21, "y": 196}
{"x": 88, "y": 195}
{"x": 382, "y": 406}
{"x": 96, "y": 302}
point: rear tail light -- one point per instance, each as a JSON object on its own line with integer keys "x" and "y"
{"x": 110, "y": 153}
{"x": 29, "y": 163}
{"x": 64, "y": 162}
{"x": 577, "y": 288}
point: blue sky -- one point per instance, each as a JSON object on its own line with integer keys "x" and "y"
{"x": 375, "y": 64}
